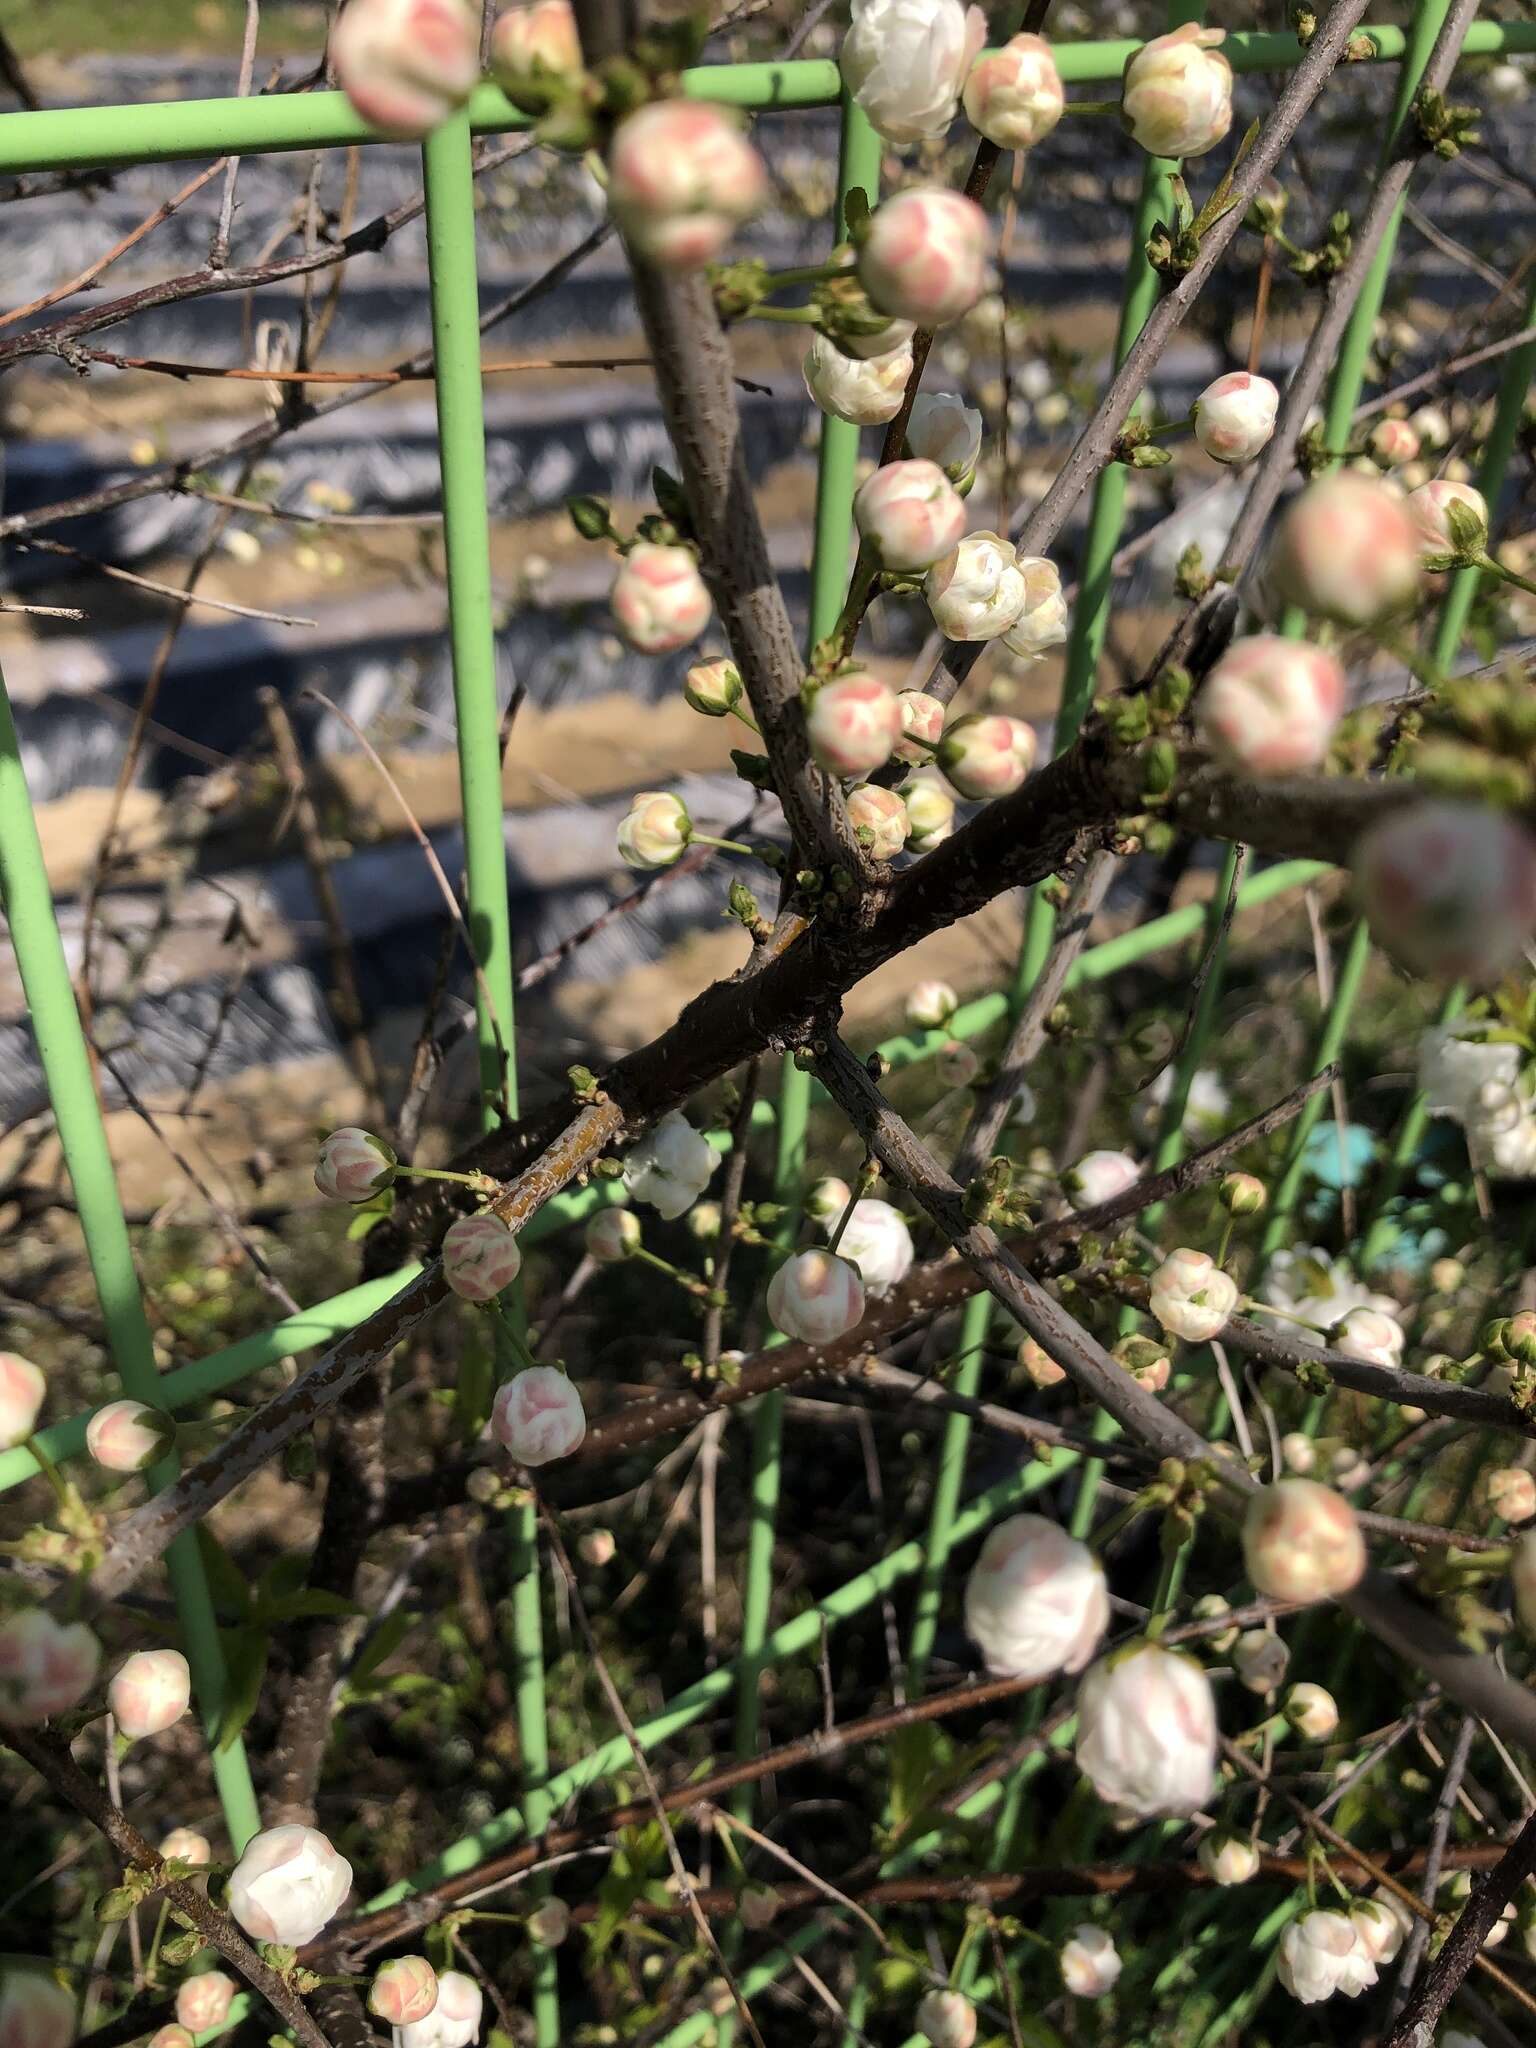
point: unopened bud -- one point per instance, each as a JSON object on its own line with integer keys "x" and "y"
{"x": 1242, "y": 1194}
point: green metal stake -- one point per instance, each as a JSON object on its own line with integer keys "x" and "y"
{"x": 28, "y": 902}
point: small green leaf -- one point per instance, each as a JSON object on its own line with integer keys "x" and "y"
{"x": 246, "y": 1664}
{"x": 386, "y": 1639}
{"x": 231, "y": 1592}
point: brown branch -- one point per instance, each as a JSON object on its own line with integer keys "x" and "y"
{"x": 1464, "y": 1942}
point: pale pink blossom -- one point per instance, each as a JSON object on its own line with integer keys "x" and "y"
{"x": 1227, "y": 1859}
{"x": 946, "y": 2019}
{"x": 403, "y": 1991}
{"x": 1013, "y": 96}
{"x": 1038, "y": 1365}
{"x": 538, "y": 1416}
{"x": 535, "y": 51}
{"x": 853, "y": 725}
{"x": 36, "y": 2010}
{"x": 976, "y": 592}
{"x": 1098, "y": 1177}
{"x": 1348, "y": 550}
{"x": 1234, "y": 416}
{"x": 903, "y": 62}
{"x": 930, "y": 1005}
{"x": 1191, "y": 1296}
{"x": 866, "y": 391}
{"x": 956, "y": 1063}
{"x": 1090, "y": 1962}
{"x": 713, "y": 687}
{"x": 879, "y": 820}
{"x": 1511, "y": 1493}
{"x": 187, "y": 1846}
{"x": 290, "y": 1882}
{"x": 671, "y": 1166}
{"x": 22, "y": 1388}
{"x": 353, "y": 1165}
{"x": 1302, "y": 1541}
{"x": 481, "y": 1257}
{"x": 1260, "y": 1661}
{"x": 658, "y": 600}
{"x": 613, "y": 1235}
{"x": 1320, "y": 1953}
{"x": 454, "y": 2022}
{"x": 407, "y": 64}
{"x": 815, "y": 1297}
{"x": 1035, "y": 1601}
{"x": 682, "y": 176}
{"x": 879, "y": 1243}
{"x": 46, "y": 1666}
{"x": 925, "y": 256}
{"x": 171, "y": 2036}
{"x": 125, "y": 1436}
{"x": 1146, "y": 1736}
{"x": 910, "y": 512}
{"x": 1270, "y": 705}
{"x": 987, "y": 754}
{"x": 1392, "y": 443}
{"x": 827, "y": 1200}
{"x": 203, "y": 2001}
{"x": 149, "y": 1692}
{"x": 944, "y": 429}
{"x": 922, "y": 718}
{"x": 1449, "y": 888}
{"x": 1371, "y": 1335}
{"x": 1176, "y": 98}
{"x": 1042, "y": 621}
{"x": 1432, "y": 508}
{"x": 655, "y": 830}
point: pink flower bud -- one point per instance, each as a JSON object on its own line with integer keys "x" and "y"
{"x": 1234, "y": 416}
{"x": 925, "y": 256}
{"x": 1013, "y": 96}
{"x": 1312, "y": 1711}
{"x": 977, "y": 591}
{"x": 1449, "y": 889}
{"x": 203, "y": 2001}
{"x": 655, "y": 830}
{"x": 171, "y": 2036}
{"x": 681, "y": 176}
{"x": 930, "y": 1005}
{"x": 946, "y": 2019}
{"x": 125, "y": 1436}
{"x": 956, "y": 1064}
{"x": 879, "y": 820}
{"x": 1191, "y": 1296}
{"x": 1090, "y": 1962}
{"x": 1260, "y": 1661}
{"x": 549, "y": 1923}
{"x": 535, "y": 51}
{"x": 816, "y": 1297}
{"x": 658, "y": 599}
{"x": 944, "y": 429}
{"x": 407, "y": 64}
{"x": 22, "y": 1388}
{"x": 1038, "y": 1365}
{"x": 1347, "y": 550}
{"x": 713, "y": 687}
{"x": 1270, "y": 706}
{"x": 910, "y": 513}
{"x": 1099, "y": 1177}
{"x": 1449, "y": 519}
{"x": 1146, "y": 1739}
{"x": 1146, "y": 1360}
{"x": 853, "y": 724}
{"x": 1035, "y": 1601}
{"x": 403, "y": 1991}
{"x": 1042, "y": 621}
{"x": 1320, "y": 1954}
{"x": 987, "y": 754}
{"x": 903, "y": 62}
{"x": 480, "y": 1257}
{"x": 1176, "y": 99}
{"x": 289, "y": 1883}
{"x": 1227, "y": 1859}
{"x": 1302, "y": 1541}
{"x": 930, "y": 812}
{"x": 36, "y": 2011}
{"x": 1370, "y": 1335}
{"x": 1511, "y": 1493}
{"x": 613, "y": 1235}
{"x": 150, "y": 1692}
{"x": 186, "y": 1845}
{"x": 538, "y": 1416}
{"x": 865, "y": 392}
{"x": 1378, "y": 1929}
{"x": 1392, "y": 443}
{"x": 353, "y": 1165}
{"x": 46, "y": 1666}
{"x": 922, "y": 718}
{"x": 454, "y": 2022}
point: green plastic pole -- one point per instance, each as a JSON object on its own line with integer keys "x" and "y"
{"x": 61, "y": 1045}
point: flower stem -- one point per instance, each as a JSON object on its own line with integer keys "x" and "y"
{"x": 478, "y": 1181}
{"x": 514, "y": 1336}
{"x": 747, "y": 720}
{"x": 813, "y": 273}
{"x": 796, "y": 316}
{"x": 1497, "y": 568}
{"x": 1091, "y": 107}
{"x": 50, "y": 1471}
{"x": 725, "y": 845}
{"x": 687, "y": 1281}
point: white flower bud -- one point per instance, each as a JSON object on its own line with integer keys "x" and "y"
{"x": 1347, "y": 550}
{"x": 1042, "y": 623}
{"x": 827, "y": 1200}
{"x": 922, "y": 718}
{"x": 654, "y": 831}
{"x": 454, "y": 2022}
{"x": 658, "y": 599}
{"x": 1379, "y": 1932}
{"x": 407, "y": 64}
{"x": 946, "y": 2019}
{"x": 944, "y": 429}
{"x": 1038, "y": 1365}
{"x": 203, "y": 2001}
{"x": 1270, "y": 705}
{"x": 1212, "y": 1607}
{"x": 1505, "y": 85}
{"x": 36, "y": 2011}
{"x": 125, "y": 1436}
{"x": 681, "y": 177}
{"x": 597, "y": 1547}
{"x": 1298, "y": 1451}
{"x": 1302, "y": 1541}
{"x": 1234, "y": 416}
{"x": 1456, "y": 1889}
{"x": 671, "y": 1166}
{"x": 1449, "y": 519}
{"x": 713, "y": 687}
{"x": 403, "y": 1991}
{"x": 1392, "y": 443}
{"x": 535, "y": 52}
{"x": 1227, "y": 1859}
{"x": 150, "y": 1692}
{"x": 612, "y": 1235}
{"x": 1099, "y": 1177}
{"x": 930, "y": 812}
{"x": 1320, "y": 1953}
{"x": 816, "y": 1297}
{"x": 854, "y": 723}
{"x": 1090, "y": 1962}
{"x": 1191, "y": 1296}
{"x": 903, "y": 62}
{"x": 975, "y": 592}
{"x": 22, "y": 1388}
{"x": 930, "y": 1005}
{"x": 880, "y": 1245}
{"x": 187, "y": 1846}
{"x": 1176, "y": 98}
{"x": 46, "y": 1666}
{"x": 538, "y": 1416}
{"x": 912, "y": 516}
{"x": 704, "y": 1222}
{"x": 1013, "y": 96}
{"x": 288, "y": 1885}
{"x": 1035, "y": 1601}
{"x": 879, "y": 820}
{"x": 1370, "y": 1335}
{"x": 1260, "y": 1661}
{"x": 987, "y": 754}
{"x": 1146, "y": 1737}
{"x": 1312, "y": 1711}
{"x": 865, "y": 392}
{"x": 1511, "y": 1493}
{"x": 353, "y": 1165}
{"x": 925, "y": 256}
{"x": 1449, "y": 889}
